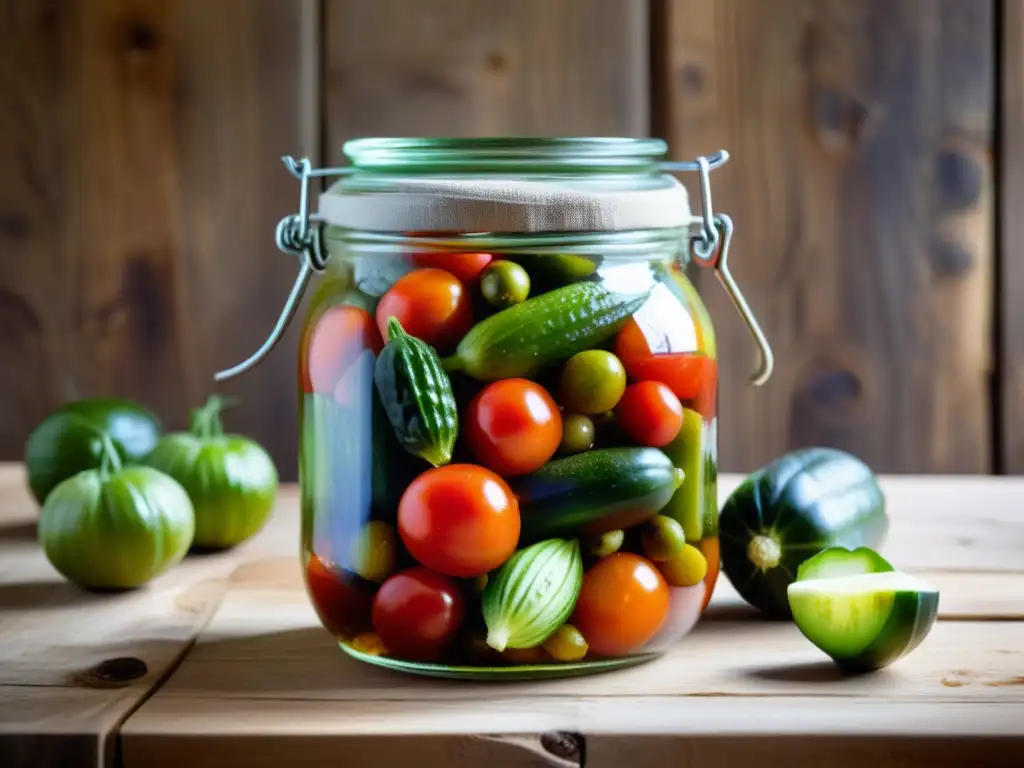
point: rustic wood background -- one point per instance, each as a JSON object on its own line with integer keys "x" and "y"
{"x": 877, "y": 183}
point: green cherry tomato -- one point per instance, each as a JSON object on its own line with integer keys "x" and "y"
{"x": 504, "y": 283}
{"x": 577, "y": 433}
{"x": 231, "y": 479}
{"x": 592, "y": 382}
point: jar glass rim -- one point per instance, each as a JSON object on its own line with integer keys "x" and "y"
{"x": 587, "y": 154}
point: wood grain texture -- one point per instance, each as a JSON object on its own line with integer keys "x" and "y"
{"x": 265, "y": 684}
{"x": 485, "y": 67}
{"x": 861, "y": 186}
{"x": 74, "y": 664}
{"x": 1011, "y": 239}
{"x": 142, "y": 184}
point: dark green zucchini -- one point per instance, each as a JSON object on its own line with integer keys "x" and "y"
{"x": 417, "y": 396}
{"x": 790, "y": 510}
{"x": 595, "y": 492}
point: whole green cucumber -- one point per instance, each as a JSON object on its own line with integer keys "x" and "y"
{"x": 417, "y": 396}
{"x": 542, "y": 330}
{"x": 595, "y": 492}
{"x": 790, "y": 510}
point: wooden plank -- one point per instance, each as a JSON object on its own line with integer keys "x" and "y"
{"x": 861, "y": 188}
{"x": 137, "y": 217}
{"x": 74, "y": 664}
{"x": 609, "y": 731}
{"x": 485, "y": 67}
{"x": 1011, "y": 239}
{"x": 264, "y": 682}
{"x": 265, "y": 643}
{"x": 263, "y": 667}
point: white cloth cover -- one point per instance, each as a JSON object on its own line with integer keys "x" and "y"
{"x": 503, "y": 205}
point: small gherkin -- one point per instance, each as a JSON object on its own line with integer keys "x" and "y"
{"x": 417, "y": 396}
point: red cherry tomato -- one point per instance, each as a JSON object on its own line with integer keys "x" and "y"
{"x": 514, "y": 426}
{"x": 623, "y": 602}
{"x": 687, "y": 374}
{"x": 460, "y": 520}
{"x": 431, "y": 305}
{"x": 649, "y": 413}
{"x": 465, "y": 266}
{"x": 341, "y": 602}
{"x": 417, "y": 614}
{"x": 334, "y": 342}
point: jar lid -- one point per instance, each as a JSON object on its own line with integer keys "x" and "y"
{"x": 505, "y": 185}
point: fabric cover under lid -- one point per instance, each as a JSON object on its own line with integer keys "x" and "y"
{"x": 434, "y": 204}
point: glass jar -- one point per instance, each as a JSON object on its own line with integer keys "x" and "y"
{"x": 507, "y": 390}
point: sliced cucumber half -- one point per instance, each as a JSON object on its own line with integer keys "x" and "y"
{"x": 864, "y": 621}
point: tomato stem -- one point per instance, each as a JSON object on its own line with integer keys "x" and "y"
{"x": 110, "y": 459}
{"x": 764, "y": 552}
{"x": 205, "y": 421}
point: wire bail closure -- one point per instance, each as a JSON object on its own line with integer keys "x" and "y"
{"x": 300, "y": 235}
{"x": 710, "y": 248}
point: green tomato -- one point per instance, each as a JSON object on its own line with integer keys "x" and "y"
{"x": 592, "y": 382}
{"x": 504, "y": 283}
{"x": 577, "y": 433}
{"x": 70, "y": 439}
{"x": 116, "y": 527}
{"x": 231, "y": 479}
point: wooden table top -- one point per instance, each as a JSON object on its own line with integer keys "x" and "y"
{"x": 221, "y": 662}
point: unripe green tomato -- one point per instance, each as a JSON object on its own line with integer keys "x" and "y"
{"x": 231, "y": 479}
{"x": 116, "y": 530}
{"x": 592, "y": 382}
{"x": 504, "y": 283}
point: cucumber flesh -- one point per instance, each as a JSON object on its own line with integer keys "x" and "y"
{"x": 835, "y": 562}
{"x": 864, "y": 621}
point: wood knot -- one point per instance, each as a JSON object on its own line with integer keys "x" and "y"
{"x": 564, "y": 745}
{"x": 496, "y": 61}
{"x": 839, "y": 117}
{"x": 949, "y": 258}
{"x": 139, "y": 37}
{"x": 113, "y": 673}
{"x": 834, "y": 388}
{"x": 691, "y": 77}
{"x": 14, "y": 225}
{"x": 958, "y": 180}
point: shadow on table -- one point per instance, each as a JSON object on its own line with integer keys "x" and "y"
{"x": 20, "y": 532}
{"x": 805, "y": 672}
{"x": 42, "y": 595}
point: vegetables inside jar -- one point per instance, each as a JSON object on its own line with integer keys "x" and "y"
{"x": 507, "y": 389}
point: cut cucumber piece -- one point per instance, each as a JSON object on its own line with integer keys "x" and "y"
{"x": 864, "y": 621}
